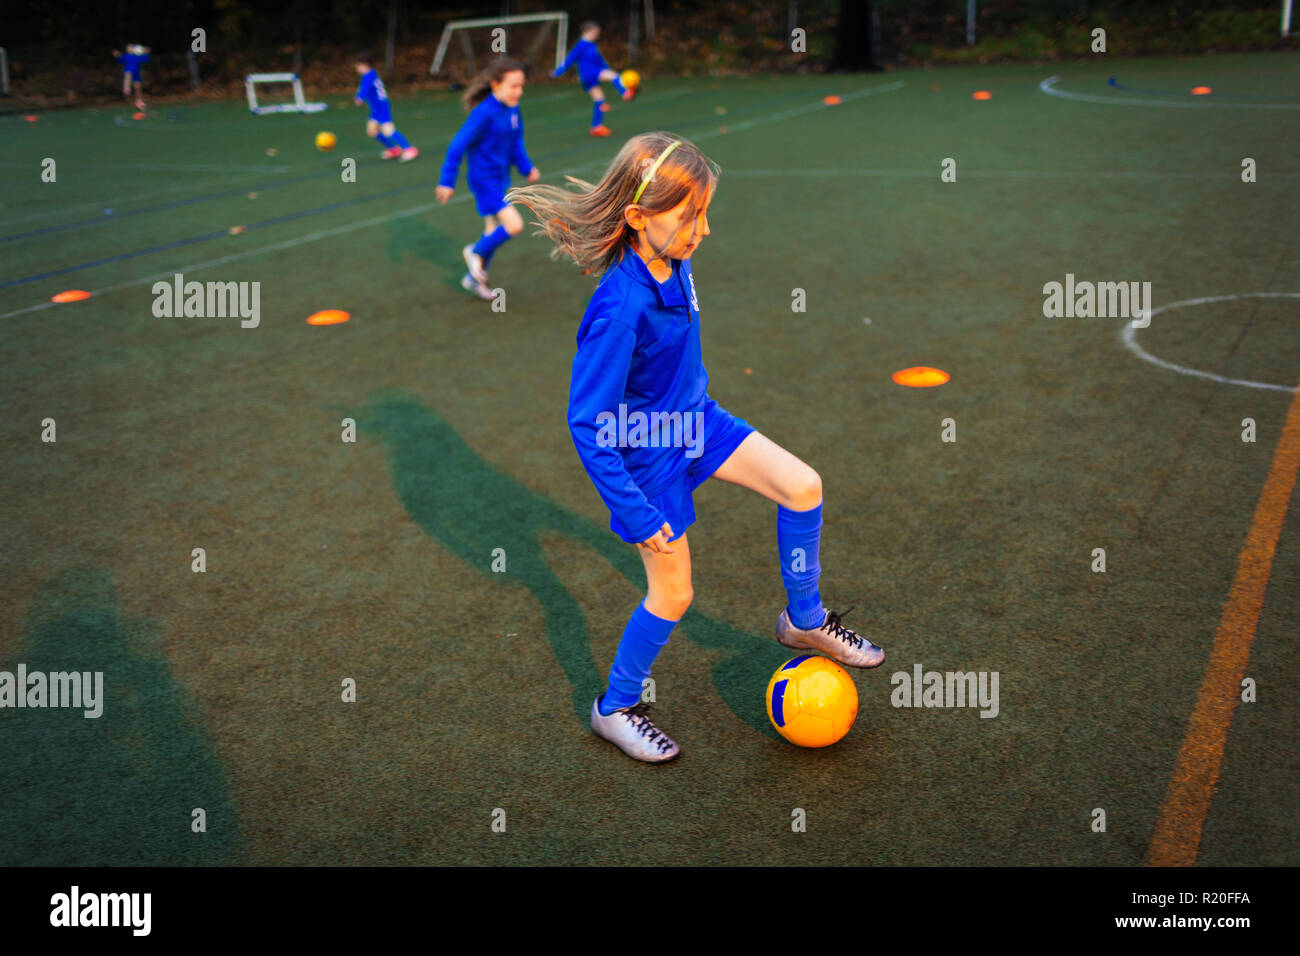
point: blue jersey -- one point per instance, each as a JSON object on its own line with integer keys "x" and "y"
{"x": 493, "y": 136}
{"x": 131, "y": 63}
{"x": 372, "y": 93}
{"x": 638, "y": 347}
{"x": 587, "y": 55}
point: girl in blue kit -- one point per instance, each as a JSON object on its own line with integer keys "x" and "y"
{"x": 645, "y": 427}
{"x": 380, "y": 125}
{"x": 135, "y": 56}
{"x": 592, "y": 71}
{"x": 493, "y": 136}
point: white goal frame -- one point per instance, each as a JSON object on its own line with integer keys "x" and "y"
{"x": 299, "y": 104}
{"x": 1289, "y": 26}
{"x": 561, "y": 34}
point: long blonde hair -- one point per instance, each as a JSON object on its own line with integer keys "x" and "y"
{"x": 587, "y": 224}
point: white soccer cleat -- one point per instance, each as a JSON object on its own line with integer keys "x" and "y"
{"x": 833, "y": 639}
{"x": 408, "y": 154}
{"x": 474, "y": 287}
{"x": 475, "y": 263}
{"x": 631, "y": 731}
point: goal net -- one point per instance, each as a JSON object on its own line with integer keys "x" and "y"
{"x": 297, "y": 104}
{"x": 538, "y": 40}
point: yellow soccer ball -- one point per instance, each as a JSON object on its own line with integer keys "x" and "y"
{"x": 631, "y": 79}
{"x": 326, "y": 140}
{"x": 812, "y": 701}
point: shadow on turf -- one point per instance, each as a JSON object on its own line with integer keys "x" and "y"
{"x": 411, "y": 234}
{"x": 118, "y": 789}
{"x": 470, "y": 507}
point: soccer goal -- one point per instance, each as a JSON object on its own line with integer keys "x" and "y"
{"x": 1290, "y": 27}
{"x": 298, "y": 105}
{"x": 525, "y": 37}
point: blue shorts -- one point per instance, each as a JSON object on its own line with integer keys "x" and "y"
{"x": 381, "y": 112}
{"x": 490, "y": 198}
{"x": 723, "y": 433}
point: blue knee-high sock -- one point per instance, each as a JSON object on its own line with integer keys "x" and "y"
{"x": 399, "y": 140}
{"x": 798, "y": 536}
{"x": 643, "y": 639}
{"x": 487, "y": 245}
{"x": 618, "y": 85}
{"x": 385, "y": 141}
{"x": 595, "y": 115}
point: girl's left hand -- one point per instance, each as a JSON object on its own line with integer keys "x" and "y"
{"x": 534, "y": 175}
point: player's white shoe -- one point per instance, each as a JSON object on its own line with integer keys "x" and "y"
{"x": 631, "y": 731}
{"x": 391, "y": 153}
{"x": 833, "y": 639}
{"x": 475, "y": 263}
{"x": 408, "y": 154}
{"x": 474, "y": 287}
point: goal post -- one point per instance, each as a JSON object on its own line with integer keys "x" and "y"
{"x": 299, "y": 104}
{"x": 559, "y": 18}
{"x": 1290, "y": 25}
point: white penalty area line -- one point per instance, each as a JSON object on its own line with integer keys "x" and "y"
{"x": 1128, "y": 335}
{"x": 414, "y": 210}
{"x": 1048, "y": 86}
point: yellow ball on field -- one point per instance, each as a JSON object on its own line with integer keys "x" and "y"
{"x": 326, "y": 140}
{"x": 631, "y": 78}
{"x": 812, "y": 701}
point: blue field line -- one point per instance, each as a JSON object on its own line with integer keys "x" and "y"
{"x": 216, "y": 235}
{"x": 1114, "y": 82}
{"x": 765, "y": 106}
{"x": 225, "y": 194}
{"x": 158, "y": 207}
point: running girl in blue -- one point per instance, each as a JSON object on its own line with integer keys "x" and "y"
{"x": 135, "y": 56}
{"x": 592, "y": 71}
{"x": 645, "y": 427}
{"x": 380, "y": 126}
{"x": 493, "y": 136}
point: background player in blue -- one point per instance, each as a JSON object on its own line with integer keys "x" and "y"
{"x": 493, "y": 137}
{"x": 134, "y": 57}
{"x": 592, "y": 71}
{"x": 639, "y": 355}
{"x": 380, "y": 125}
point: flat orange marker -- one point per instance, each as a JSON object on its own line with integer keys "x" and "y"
{"x": 328, "y": 317}
{"x": 271, "y": 151}
{"x": 1201, "y": 91}
{"x": 832, "y": 100}
{"x": 31, "y": 119}
{"x": 72, "y": 295}
{"x": 982, "y": 95}
{"x": 749, "y": 371}
{"x": 236, "y": 230}
{"x": 137, "y": 116}
{"x": 921, "y": 376}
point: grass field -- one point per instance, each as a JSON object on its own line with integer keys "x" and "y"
{"x": 328, "y": 560}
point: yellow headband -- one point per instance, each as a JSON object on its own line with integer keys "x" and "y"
{"x": 653, "y": 169}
